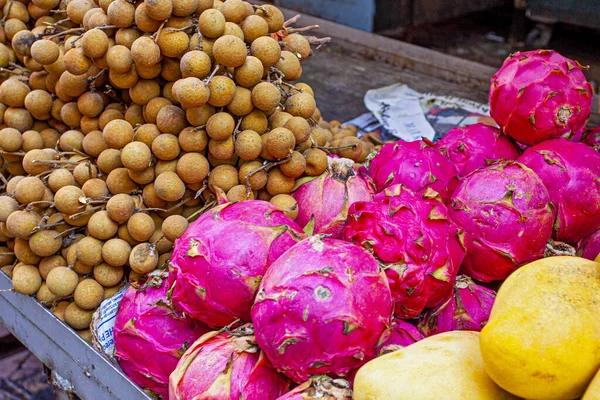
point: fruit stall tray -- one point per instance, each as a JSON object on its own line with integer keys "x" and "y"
{"x": 84, "y": 371}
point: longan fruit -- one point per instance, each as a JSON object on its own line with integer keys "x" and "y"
{"x": 316, "y": 162}
{"x": 70, "y": 115}
{"x": 272, "y": 15}
{"x": 76, "y": 317}
{"x": 169, "y": 186}
{"x": 88, "y": 294}
{"x": 174, "y": 227}
{"x": 287, "y": 204}
{"x": 168, "y": 93}
{"x": 280, "y": 142}
{"x": 110, "y": 115}
{"x": 255, "y": 121}
{"x": 146, "y": 133}
{"x": 90, "y": 104}
{"x": 303, "y": 88}
{"x": 234, "y": 11}
{"x": 119, "y": 59}
{"x": 192, "y": 168}
{"x": 109, "y": 160}
{"x": 224, "y": 177}
{"x": 96, "y": 18}
{"x": 204, "y": 5}
{"x": 89, "y": 124}
{"x": 267, "y": 50}
{"x": 191, "y": 92}
{"x": 230, "y": 51}
{"x": 12, "y": 184}
{"x": 93, "y": 143}
{"x": 165, "y": 166}
{"x": 295, "y": 167}
{"x": 59, "y": 310}
{"x": 24, "y": 253}
{"x": 45, "y": 296}
{"x": 207, "y": 46}
{"x": 141, "y": 227}
{"x": 171, "y": 119}
{"x": 94, "y": 43}
{"x": 301, "y": 105}
{"x": 29, "y": 189}
{"x": 248, "y": 145}
{"x": 13, "y": 92}
{"x": 195, "y": 64}
{"x": 118, "y": 181}
{"x": 120, "y": 207}
{"x": 254, "y": 27}
{"x": 47, "y": 264}
{"x": 166, "y": 147}
{"x": 37, "y": 81}
{"x": 143, "y": 21}
{"x": 89, "y": 251}
{"x": 136, "y": 156}
{"x": 12, "y": 26}
{"x": 142, "y": 177}
{"x": 21, "y": 42}
{"x": 220, "y": 126}
{"x": 191, "y": 140}
{"x": 239, "y": 193}
{"x": 125, "y": 80}
{"x": 145, "y": 52}
{"x": 290, "y": 65}
{"x": 121, "y": 13}
{"x": 221, "y": 149}
{"x": 46, "y": 4}
{"x": 26, "y": 280}
{"x": 184, "y": 8}
{"x": 126, "y": 36}
{"x": 144, "y": 91}
{"x": 250, "y": 73}
{"x": 352, "y": 153}
{"x": 22, "y": 223}
{"x": 173, "y": 43}
{"x": 159, "y": 10}
{"x": 8, "y": 205}
{"x": 108, "y": 275}
{"x": 150, "y": 197}
{"x": 143, "y": 258}
{"x": 278, "y": 183}
{"x": 241, "y": 104}
{"x": 101, "y": 226}
{"x": 211, "y": 23}
{"x": 45, "y": 51}
{"x": 297, "y": 45}
{"x": 60, "y": 178}
{"x": 95, "y": 189}
{"x": 76, "y": 62}
{"x": 72, "y": 85}
{"x": 152, "y": 108}
{"x": 84, "y": 172}
{"x": 299, "y": 127}
{"x": 62, "y": 281}
{"x": 278, "y": 119}
{"x": 115, "y": 252}
{"x": 233, "y": 29}
{"x": 45, "y": 243}
{"x": 265, "y": 96}
{"x": 117, "y": 133}
{"x": 222, "y": 90}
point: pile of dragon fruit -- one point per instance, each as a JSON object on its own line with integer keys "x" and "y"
{"x": 411, "y": 244}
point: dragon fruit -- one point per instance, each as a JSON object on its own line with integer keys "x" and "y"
{"x": 219, "y": 262}
{"x": 506, "y": 214}
{"x": 538, "y": 95}
{"x": 571, "y": 173}
{"x": 417, "y": 165}
{"x": 321, "y": 387}
{"x": 402, "y": 334}
{"x": 591, "y": 137}
{"x": 226, "y": 365}
{"x": 150, "y": 336}
{"x": 467, "y": 309}
{"x": 325, "y": 199}
{"x": 472, "y": 147}
{"x": 415, "y": 238}
{"x": 322, "y": 308}
{"x": 589, "y": 247}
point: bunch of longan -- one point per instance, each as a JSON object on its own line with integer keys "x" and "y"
{"x": 121, "y": 122}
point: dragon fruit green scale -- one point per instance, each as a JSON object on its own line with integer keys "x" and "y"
{"x": 538, "y": 95}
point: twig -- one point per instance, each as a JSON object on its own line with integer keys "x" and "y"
{"x": 10, "y": 3}
{"x": 292, "y": 20}
{"x": 207, "y": 80}
{"x": 303, "y": 29}
{"x": 264, "y": 167}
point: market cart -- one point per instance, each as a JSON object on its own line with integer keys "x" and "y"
{"x": 341, "y": 73}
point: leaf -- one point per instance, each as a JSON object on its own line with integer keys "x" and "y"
{"x": 309, "y": 229}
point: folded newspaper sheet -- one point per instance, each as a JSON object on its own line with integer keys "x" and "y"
{"x": 103, "y": 324}
{"x": 400, "y": 112}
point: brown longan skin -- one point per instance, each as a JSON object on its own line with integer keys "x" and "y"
{"x": 45, "y": 51}
{"x": 174, "y": 227}
{"x": 145, "y": 52}
{"x": 199, "y": 116}
{"x": 121, "y": 13}
{"x": 352, "y": 153}
{"x": 287, "y": 204}
{"x": 272, "y": 15}
{"x": 29, "y": 189}
{"x": 254, "y": 27}
{"x": 250, "y": 73}
{"x": 144, "y": 176}
{"x": 141, "y": 227}
{"x": 45, "y": 243}
{"x": 267, "y": 50}
{"x": 47, "y": 264}
{"x": 278, "y": 119}
{"x": 195, "y": 64}
{"x": 26, "y": 280}
{"x": 301, "y": 105}
{"x": 62, "y": 281}
{"x": 265, "y": 96}
{"x": 115, "y": 252}
{"x": 117, "y": 133}
{"x": 88, "y": 294}
{"x": 297, "y": 45}
{"x": 119, "y": 59}
{"x": 221, "y": 149}
{"x": 192, "y": 140}
{"x": 109, "y": 160}
{"x": 88, "y": 251}
{"x": 169, "y": 186}
{"x": 136, "y": 156}
{"x": 118, "y": 181}
{"x": 8, "y": 205}
{"x": 230, "y": 51}
{"x": 220, "y": 126}
{"x": 146, "y": 133}
{"x": 256, "y": 121}
{"x": 143, "y": 258}
{"x": 278, "y": 183}
{"x": 153, "y": 107}
{"x": 101, "y": 226}
{"x": 212, "y": 23}
{"x": 295, "y": 167}
{"x": 108, "y": 275}
{"x": 239, "y": 193}
{"x": 191, "y": 92}
{"x": 78, "y": 318}
{"x": 222, "y": 90}
{"x": 166, "y": 147}
{"x": 280, "y": 142}
{"x": 95, "y": 189}
{"x": 23, "y": 252}
{"x": 241, "y": 104}
{"x": 300, "y": 128}
{"x": 171, "y": 119}
{"x": 173, "y": 44}
{"x": 248, "y": 145}
{"x": 192, "y": 168}
{"x": 224, "y": 177}
{"x": 316, "y": 162}
{"x": 67, "y": 200}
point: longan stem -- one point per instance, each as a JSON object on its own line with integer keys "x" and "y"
{"x": 13, "y": 153}
{"x": 10, "y": 71}
{"x": 320, "y": 42}
{"x": 303, "y": 29}
{"x": 201, "y": 190}
{"x": 330, "y": 149}
{"x": 79, "y": 214}
{"x": 68, "y": 162}
{"x": 3, "y": 179}
{"x": 202, "y": 210}
{"x": 106, "y": 27}
{"x": 199, "y": 128}
{"x": 181, "y": 29}
{"x": 67, "y": 231}
{"x": 87, "y": 200}
{"x": 292, "y": 20}
{"x": 157, "y": 33}
{"x": 34, "y": 203}
{"x": 67, "y": 32}
{"x": 10, "y": 3}
{"x": 92, "y": 80}
{"x": 7, "y": 254}
{"x": 237, "y": 127}
{"x": 51, "y": 225}
{"x": 264, "y": 167}
{"x": 207, "y": 81}
{"x": 151, "y": 209}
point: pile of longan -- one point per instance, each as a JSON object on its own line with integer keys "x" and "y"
{"x": 122, "y": 121}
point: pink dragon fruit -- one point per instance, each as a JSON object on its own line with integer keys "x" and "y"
{"x": 226, "y": 365}
{"x": 150, "y": 336}
{"x": 417, "y": 165}
{"x": 402, "y": 334}
{"x": 570, "y": 171}
{"x": 325, "y": 199}
{"x": 472, "y": 147}
{"x": 589, "y": 247}
{"x": 219, "y": 262}
{"x": 467, "y": 309}
{"x": 415, "y": 238}
{"x": 322, "y": 308}
{"x": 538, "y": 95}
{"x": 506, "y": 214}
{"x": 591, "y": 137}
{"x": 321, "y": 387}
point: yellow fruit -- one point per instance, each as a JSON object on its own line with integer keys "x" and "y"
{"x": 542, "y": 340}
{"x": 446, "y": 366}
{"x": 593, "y": 390}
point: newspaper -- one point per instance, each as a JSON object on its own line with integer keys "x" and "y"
{"x": 399, "y": 112}
{"x": 103, "y": 324}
